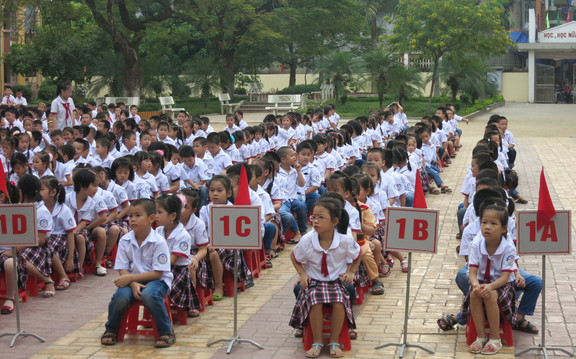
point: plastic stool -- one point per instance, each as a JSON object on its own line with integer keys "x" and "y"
{"x": 343, "y": 339}
{"x": 131, "y": 320}
{"x": 205, "y": 296}
{"x": 22, "y": 294}
{"x": 181, "y": 315}
{"x": 229, "y": 284}
{"x": 506, "y": 333}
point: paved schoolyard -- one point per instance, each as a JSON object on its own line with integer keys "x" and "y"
{"x": 73, "y": 321}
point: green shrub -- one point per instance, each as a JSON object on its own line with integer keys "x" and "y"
{"x": 47, "y": 91}
{"x": 26, "y": 91}
{"x": 298, "y": 89}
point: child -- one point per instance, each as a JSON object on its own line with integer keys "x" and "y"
{"x": 61, "y": 241}
{"x": 221, "y": 161}
{"x": 492, "y": 266}
{"x": 325, "y": 259}
{"x": 41, "y": 165}
{"x": 290, "y": 176}
{"x": 182, "y": 293}
{"x": 143, "y": 263}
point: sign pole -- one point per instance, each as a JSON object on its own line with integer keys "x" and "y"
{"x": 235, "y": 338}
{"x": 19, "y": 332}
{"x": 542, "y": 347}
{"x": 404, "y": 343}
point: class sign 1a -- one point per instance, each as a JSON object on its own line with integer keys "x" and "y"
{"x": 235, "y": 227}
{"x": 411, "y": 229}
{"x": 551, "y": 238}
{"x": 18, "y": 225}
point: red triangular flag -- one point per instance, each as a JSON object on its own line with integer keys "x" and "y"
{"x": 419, "y": 200}
{"x": 3, "y": 183}
{"x": 243, "y": 196}
{"x": 546, "y": 208}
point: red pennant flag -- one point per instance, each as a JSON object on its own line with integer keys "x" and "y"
{"x": 3, "y": 183}
{"x": 243, "y": 197}
{"x": 419, "y": 200}
{"x": 546, "y": 208}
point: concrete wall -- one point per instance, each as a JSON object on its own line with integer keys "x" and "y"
{"x": 515, "y": 86}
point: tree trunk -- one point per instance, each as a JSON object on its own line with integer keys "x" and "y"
{"x": 292, "y": 81}
{"x": 132, "y": 73}
{"x": 434, "y": 74}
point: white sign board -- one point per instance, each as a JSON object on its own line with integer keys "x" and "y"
{"x": 235, "y": 227}
{"x": 411, "y": 229}
{"x": 18, "y": 225}
{"x": 552, "y": 238}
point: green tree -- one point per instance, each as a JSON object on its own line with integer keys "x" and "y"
{"x": 377, "y": 65}
{"x": 436, "y": 27}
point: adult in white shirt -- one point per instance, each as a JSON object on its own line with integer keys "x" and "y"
{"x": 63, "y": 105}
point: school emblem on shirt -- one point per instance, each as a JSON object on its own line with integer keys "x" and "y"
{"x": 43, "y": 223}
{"x": 162, "y": 258}
{"x": 510, "y": 259}
{"x": 183, "y": 246}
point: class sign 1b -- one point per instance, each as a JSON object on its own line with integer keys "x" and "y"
{"x": 412, "y": 230}
{"x": 18, "y": 225}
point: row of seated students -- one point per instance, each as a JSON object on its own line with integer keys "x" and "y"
{"x": 492, "y": 282}
{"x": 284, "y": 181}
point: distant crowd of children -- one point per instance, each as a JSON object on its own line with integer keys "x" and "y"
{"x": 113, "y": 190}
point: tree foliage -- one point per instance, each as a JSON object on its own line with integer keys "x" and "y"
{"x": 437, "y": 27}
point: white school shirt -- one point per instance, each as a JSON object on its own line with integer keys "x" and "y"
{"x": 221, "y": 162}
{"x": 234, "y": 154}
{"x": 86, "y": 213}
{"x": 162, "y": 182}
{"x": 44, "y": 222}
{"x": 290, "y": 182}
{"x": 285, "y": 135}
{"x": 63, "y": 110}
{"x": 119, "y": 193}
{"x": 503, "y": 260}
{"x": 205, "y": 215}
{"x": 343, "y": 251}
{"x": 198, "y": 173}
{"x": 178, "y": 243}
{"x": 152, "y": 255}
{"x": 197, "y": 231}
{"x": 63, "y": 219}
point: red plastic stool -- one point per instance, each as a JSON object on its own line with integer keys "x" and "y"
{"x": 506, "y": 333}
{"x": 181, "y": 315}
{"x": 229, "y": 284}
{"x": 131, "y": 320}
{"x": 22, "y": 294}
{"x": 343, "y": 339}
{"x": 205, "y": 296}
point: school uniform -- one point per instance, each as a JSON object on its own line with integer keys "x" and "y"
{"x": 152, "y": 255}
{"x": 221, "y": 162}
{"x": 324, "y": 268}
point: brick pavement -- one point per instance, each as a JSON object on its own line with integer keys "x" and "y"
{"x": 265, "y": 309}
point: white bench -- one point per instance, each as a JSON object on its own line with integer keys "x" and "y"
{"x": 167, "y": 103}
{"x": 284, "y": 102}
{"x": 225, "y": 104}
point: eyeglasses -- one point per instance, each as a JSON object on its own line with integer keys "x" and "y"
{"x": 319, "y": 218}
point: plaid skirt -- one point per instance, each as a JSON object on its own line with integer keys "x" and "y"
{"x": 20, "y": 268}
{"x": 183, "y": 294}
{"x": 361, "y": 277}
{"x": 204, "y": 274}
{"x": 89, "y": 247}
{"x": 320, "y": 293}
{"x": 40, "y": 257}
{"x": 227, "y": 258}
{"x": 506, "y": 302}
{"x": 58, "y": 244}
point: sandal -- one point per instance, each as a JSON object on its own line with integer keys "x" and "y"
{"x": 405, "y": 266}
{"x": 384, "y": 271}
{"x": 193, "y": 313}
{"x": 299, "y": 333}
{"x": 377, "y": 288}
{"x": 445, "y": 189}
{"x": 166, "y": 340}
{"x": 63, "y": 284}
{"x": 433, "y": 190}
{"x": 6, "y": 309}
{"x": 478, "y": 345}
{"x": 333, "y": 352}
{"x": 316, "y": 352}
{"x": 492, "y": 347}
{"x": 108, "y": 335}
{"x": 49, "y": 293}
{"x": 525, "y": 326}
{"x": 353, "y": 334}
{"x": 447, "y": 322}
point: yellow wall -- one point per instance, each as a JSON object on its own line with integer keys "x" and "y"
{"x": 515, "y": 86}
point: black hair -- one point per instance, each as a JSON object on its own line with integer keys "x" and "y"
{"x": 148, "y": 204}
{"x": 52, "y": 183}
{"x": 171, "y": 204}
{"x": 334, "y": 203}
{"x": 121, "y": 162}
{"x": 29, "y": 186}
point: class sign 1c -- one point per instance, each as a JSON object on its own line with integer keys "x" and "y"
{"x": 412, "y": 230}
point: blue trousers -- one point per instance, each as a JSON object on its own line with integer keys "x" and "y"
{"x": 299, "y": 209}
{"x": 153, "y": 300}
